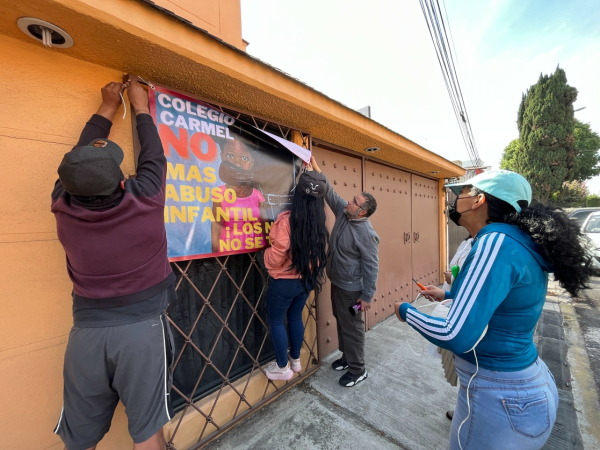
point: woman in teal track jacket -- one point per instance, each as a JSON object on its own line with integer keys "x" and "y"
{"x": 508, "y": 398}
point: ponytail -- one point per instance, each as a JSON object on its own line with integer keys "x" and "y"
{"x": 558, "y": 238}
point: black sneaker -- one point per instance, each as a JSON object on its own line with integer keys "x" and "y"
{"x": 339, "y": 364}
{"x": 349, "y": 379}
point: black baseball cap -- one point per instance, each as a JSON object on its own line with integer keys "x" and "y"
{"x": 92, "y": 169}
{"x": 312, "y": 183}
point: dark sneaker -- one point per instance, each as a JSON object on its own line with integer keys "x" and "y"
{"x": 349, "y": 380}
{"x": 339, "y": 364}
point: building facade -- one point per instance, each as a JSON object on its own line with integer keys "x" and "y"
{"x": 219, "y": 324}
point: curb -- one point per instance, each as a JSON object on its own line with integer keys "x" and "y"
{"x": 584, "y": 391}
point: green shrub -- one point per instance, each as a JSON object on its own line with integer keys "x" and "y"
{"x": 592, "y": 200}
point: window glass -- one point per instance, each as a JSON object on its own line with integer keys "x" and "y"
{"x": 593, "y": 226}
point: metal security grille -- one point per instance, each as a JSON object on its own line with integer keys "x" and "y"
{"x": 220, "y": 322}
{"x": 221, "y": 336}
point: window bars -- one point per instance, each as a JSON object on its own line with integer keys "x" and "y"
{"x": 221, "y": 337}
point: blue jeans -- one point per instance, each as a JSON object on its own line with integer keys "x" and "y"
{"x": 509, "y": 410}
{"x": 286, "y": 297}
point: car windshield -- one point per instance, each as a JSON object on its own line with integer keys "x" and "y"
{"x": 593, "y": 225}
{"x": 580, "y": 216}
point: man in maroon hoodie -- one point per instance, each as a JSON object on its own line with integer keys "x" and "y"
{"x": 113, "y": 233}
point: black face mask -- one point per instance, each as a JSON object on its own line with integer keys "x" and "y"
{"x": 235, "y": 176}
{"x": 453, "y": 214}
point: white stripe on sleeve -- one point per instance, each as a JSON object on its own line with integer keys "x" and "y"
{"x": 468, "y": 293}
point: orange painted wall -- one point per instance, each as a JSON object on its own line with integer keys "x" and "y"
{"x": 221, "y": 18}
{"x": 47, "y": 98}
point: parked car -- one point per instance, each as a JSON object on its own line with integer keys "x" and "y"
{"x": 581, "y": 214}
{"x": 591, "y": 233}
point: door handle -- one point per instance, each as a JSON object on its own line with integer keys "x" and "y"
{"x": 406, "y": 238}
{"x": 416, "y": 237}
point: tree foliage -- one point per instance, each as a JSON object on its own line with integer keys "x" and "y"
{"x": 508, "y": 156}
{"x": 571, "y": 194}
{"x": 587, "y": 159}
{"x": 546, "y": 154}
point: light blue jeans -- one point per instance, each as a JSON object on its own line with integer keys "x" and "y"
{"x": 509, "y": 410}
{"x": 286, "y": 298}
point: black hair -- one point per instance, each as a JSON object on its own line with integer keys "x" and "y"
{"x": 370, "y": 204}
{"x": 308, "y": 239}
{"x": 557, "y": 236}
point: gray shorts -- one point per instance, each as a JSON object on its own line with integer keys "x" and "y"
{"x": 130, "y": 362}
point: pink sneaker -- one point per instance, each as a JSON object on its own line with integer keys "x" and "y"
{"x": 295, "y": 364}
{"x": 274, "y": 372}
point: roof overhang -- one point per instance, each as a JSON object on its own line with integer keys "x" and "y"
{"x": 137, "y": 37}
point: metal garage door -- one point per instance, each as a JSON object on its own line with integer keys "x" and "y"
{"x": 407, "y": 221}
{"x": 425, "y": 231}
{"x": 392, "y": 222}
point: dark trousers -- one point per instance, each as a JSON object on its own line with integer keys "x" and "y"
{"x": 350, "y": 329}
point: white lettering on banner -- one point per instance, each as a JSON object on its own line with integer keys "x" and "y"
{"x": 166, "y": 120}
{"x": 208, "y": 128}
{"x": 178, "y": 105}
{"x": 180, "y": 122}
{"x": 186, "y": 106}
{"x": 193, "y": 124}
{"x": 213, "y": 115}
{"x": 188, "y": 109}
{"x": 163, "y": 99}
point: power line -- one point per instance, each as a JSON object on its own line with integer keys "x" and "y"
{"x": 438, "y": 31}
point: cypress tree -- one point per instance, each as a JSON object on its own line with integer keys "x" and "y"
{"x": 520, "y": 113}
{"x": 546, "y": 156}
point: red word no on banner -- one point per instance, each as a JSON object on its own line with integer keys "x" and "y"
{"x": 182, "y": 145}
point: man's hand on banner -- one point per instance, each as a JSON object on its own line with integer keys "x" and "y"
{"x": 138, "y": 97}
{"x": 111, "y": 100}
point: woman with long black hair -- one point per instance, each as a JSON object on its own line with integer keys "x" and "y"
{"x": 508, "y": 397}
{"x": 296, "y": 263}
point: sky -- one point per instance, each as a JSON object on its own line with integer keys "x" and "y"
{"x": 379, "y": 53}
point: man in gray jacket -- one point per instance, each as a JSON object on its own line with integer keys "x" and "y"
{"x": 352, "y": 267}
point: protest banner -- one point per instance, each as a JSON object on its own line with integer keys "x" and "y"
{"x": 226, "y": 180}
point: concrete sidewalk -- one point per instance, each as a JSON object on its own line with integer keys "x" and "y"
{"x": 402, "y": 404}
